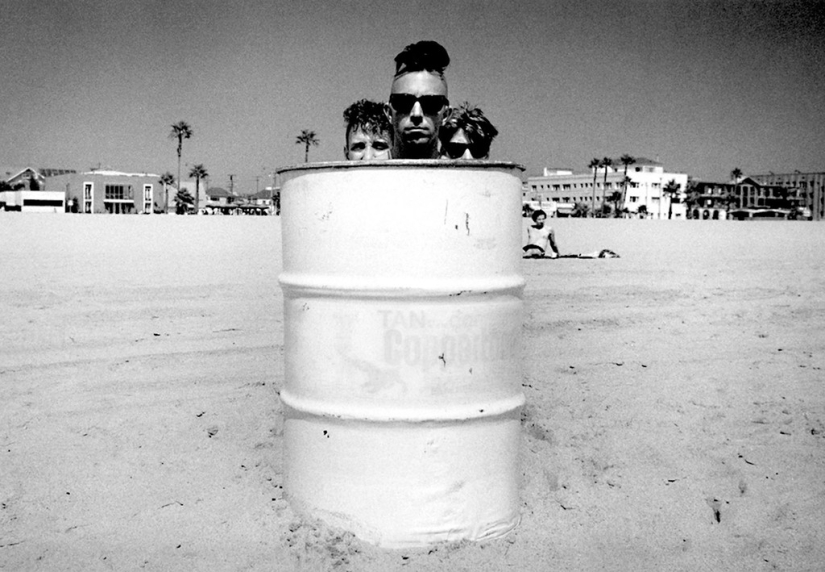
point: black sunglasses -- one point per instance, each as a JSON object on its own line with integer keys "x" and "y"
{"x": 456, "y": 150}
{"x": 430, "y": 104}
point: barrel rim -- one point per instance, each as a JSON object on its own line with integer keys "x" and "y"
{"x": 407, "y": 163}
{"x": 298, "y": 405}
{"x": 337, "y": 285}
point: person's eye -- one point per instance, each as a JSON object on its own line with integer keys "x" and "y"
{"x": 357, "y": 147}
{"x": 380, "y": 146}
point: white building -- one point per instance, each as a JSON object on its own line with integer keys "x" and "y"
{"x": 561, "y": 189}
{"x": 33, "y": 201}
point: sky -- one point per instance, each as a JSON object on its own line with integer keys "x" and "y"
{"x": 704, "y": 87}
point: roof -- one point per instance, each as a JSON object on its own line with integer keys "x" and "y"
{"x": 9, "y": 173}
{"x": 640, "y": 161}
{"x": 264, "y": 194}
{"x": 110, "y": 173}
{"x": 218, "y": 192}
{"x": 51, "y": 172}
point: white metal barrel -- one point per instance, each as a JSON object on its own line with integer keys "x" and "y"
{"x": 402, "y": 341}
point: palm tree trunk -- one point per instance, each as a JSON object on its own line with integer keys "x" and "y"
{"x": 306, "y": 153}
{"x": 624, "y": 188}
{"x": 180, "y": 144}
{"x": 604, "y": 187}
{"x": 593, "y": 198}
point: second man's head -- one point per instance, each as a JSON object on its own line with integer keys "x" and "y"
{"x": 418, "y": 100}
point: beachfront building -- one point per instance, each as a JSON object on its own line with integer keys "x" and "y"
{"x": 29, "y": 178}
{"x": 261, "y": 203}
{"x": 113, "y": 192}
{"x": 33, "y": 201}
{"x": 742, "y": 199}
{"x": 807, "y": 188}
{"x": 220, "y": 201}
{"x": 559, "y": 190}
{"x": 25, "y": 190}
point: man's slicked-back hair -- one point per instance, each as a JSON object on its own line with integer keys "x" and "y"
{"x": 425, "y": 55}
{"x": 369, "y": 116}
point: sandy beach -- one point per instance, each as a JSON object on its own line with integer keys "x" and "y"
{"x": 675, "y": 417}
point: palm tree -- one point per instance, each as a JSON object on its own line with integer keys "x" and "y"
{"x": 180, "y": 131}
{"x": 198, "y": 172}
{"x": 691, "y": 197}
{"x": 607, "y": 162}
{"x": 183, "y": 200}
{"x": 671, "y": 190}
{"x": 616, "y": 198}
{"x": 580, "y": 210}
{"x": 166, "y": 179}
{"x": 627, "y": 181}
{"x": 736, "y": 174}
{"x": 307, "y": 138}
{"x": 594, "y": 164}
{"x": 625, "y": 160}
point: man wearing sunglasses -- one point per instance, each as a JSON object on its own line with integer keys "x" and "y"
{"x": 466, "y": 134}
{"x": 418, "y": 100}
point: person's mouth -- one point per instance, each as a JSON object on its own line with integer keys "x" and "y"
{"x": 416, "y": 133}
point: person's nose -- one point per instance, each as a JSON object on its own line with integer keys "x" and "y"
{"x": 369, "y": 153}
{"x": 417, "y": 114}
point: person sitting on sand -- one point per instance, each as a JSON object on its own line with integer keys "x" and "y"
{"x": 418, "y": 100}
{"x": 369, "y": 131}
{"x": 540, "y": 238}
{"x": 466, "y": 134}
{"x": 603, "y": 253}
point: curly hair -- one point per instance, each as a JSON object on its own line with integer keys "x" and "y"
{"x": 471, "y": 119}
{"x": 368, "y": 116}
{"x": 426, "y": 55}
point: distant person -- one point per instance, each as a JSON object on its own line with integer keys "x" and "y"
{"x": 603, "y": 253}
{"x": 466, "y": 134}
{"x": 540, "y": 238}
{"x": 418, "y": 100}
{"x": 369, "y": 131}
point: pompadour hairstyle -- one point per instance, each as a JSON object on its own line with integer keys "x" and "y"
{"x": 422, "y": 56}
{"x": 369, "y": 116}
{"x": 471, "y": 119}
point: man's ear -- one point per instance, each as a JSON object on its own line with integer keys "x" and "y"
{"x": 388, "y": 113}
{"x": 346, "y": 152}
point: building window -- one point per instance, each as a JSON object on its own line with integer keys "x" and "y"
{"x": 88, "y": 197}
{"x": 118, "y": 193}
{"x": 147, "y": 198}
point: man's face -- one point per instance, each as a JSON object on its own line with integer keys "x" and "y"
{"x": 363, "y": 146}
{"x": 416, "y": 124}
{"x": 458, "y": 147}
